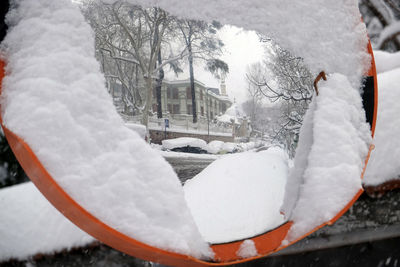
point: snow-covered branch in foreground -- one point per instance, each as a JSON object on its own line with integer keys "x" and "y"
{"x": 389, "y": 33}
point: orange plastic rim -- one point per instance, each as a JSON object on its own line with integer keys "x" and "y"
{"x": 225, "y": 254}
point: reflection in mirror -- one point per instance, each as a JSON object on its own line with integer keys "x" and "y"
{"x": 171, "y": 77}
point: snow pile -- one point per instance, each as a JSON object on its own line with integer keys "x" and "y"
{"x": 229, "y": 147}
{"x": 338, "y": 145}
{"x": 54, "y": 97}
{"x": 247, "y": 249}
{"x": 219, "y": 147}
{"x": 302, "y": 27}
{"x": 239, "y": 195}
{"x": 384, "y": 164}
{"x": 30, "y": 225}
{"x": 184, "y": 142}
{"x": 231, "y": 115}
{"x": 215, "y": 147}
{"x": 386, "y": 61}
{"x": 247, "y": 146}
{"x": 138, "y": 128}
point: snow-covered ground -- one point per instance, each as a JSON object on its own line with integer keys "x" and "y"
{"x": 239, "y": 195}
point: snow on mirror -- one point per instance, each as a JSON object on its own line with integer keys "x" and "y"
{"x": 179, "y": 76}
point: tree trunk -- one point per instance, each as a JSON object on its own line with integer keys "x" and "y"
{"x": 158, "y": 87}
{"x": 149, "y": 97}
{"x": 192, "y": 88}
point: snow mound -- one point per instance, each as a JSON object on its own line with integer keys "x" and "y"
{"x": 184, "y": 142}
{"x": 386, "y": 61}
{"x": 302, "y": 27}
{"x": 30, "y": 225}
{"x": 340, "y": 139}
{"x": 239, "y": 195}
{"x": 54, "y": 97}
{"x": 231, "y": 115}
{"x": 384, "y": 164}
{"x": 229, "y": 147}
{"x": 214, "y": 147}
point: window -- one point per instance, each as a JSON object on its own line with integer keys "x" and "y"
{"x": 175, "y": 93}
{"x": 189, "y": 109}
{"x": 176, "y": 109}
{"x": 154, "y": 92}
{"x": 223, "y": 107}
{"x": 169, "y": 92}
{"x": 188, "y": 93}
{"x": 154, "y": 107}
{"x": 202, "y": 110}
{"x": 212, "y": 115}
{"x": 170, "y": 108}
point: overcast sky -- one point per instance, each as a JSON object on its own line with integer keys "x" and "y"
{"x": 241, "y": 49}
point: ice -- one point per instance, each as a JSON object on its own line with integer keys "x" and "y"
{"x": 384, "y": 164}
{"x": 30, "y": 225}
{"x": 54, "y": 97}
{"x": 239, "y": 195}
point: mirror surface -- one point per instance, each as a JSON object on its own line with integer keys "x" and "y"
{"x": 234, "y": 96}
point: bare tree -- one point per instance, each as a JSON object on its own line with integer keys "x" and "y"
{"x": 130, "y": 40}
{"x": 253, "y": 105}
{"x": 202, "y": 43}
{"x": 284, "y": 80}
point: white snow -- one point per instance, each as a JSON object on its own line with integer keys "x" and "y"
{"x": 384, "y": 164}
{"x": 386, "y": 61}
{"x": 231, "y": 115}
{"x": 214, "y": 147}
{"x": 247, "y": 249}
{"x": 184, "y": 142}
{"x": 54, "y": 97}
{"x": 303, "y": 27}
{"x": 30, "y": 225}
{"x": 340, "y": 139}
{"x": 229, "y": 147}
{"x": 137, "y": 128}
{"x": 239, "y": 195}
